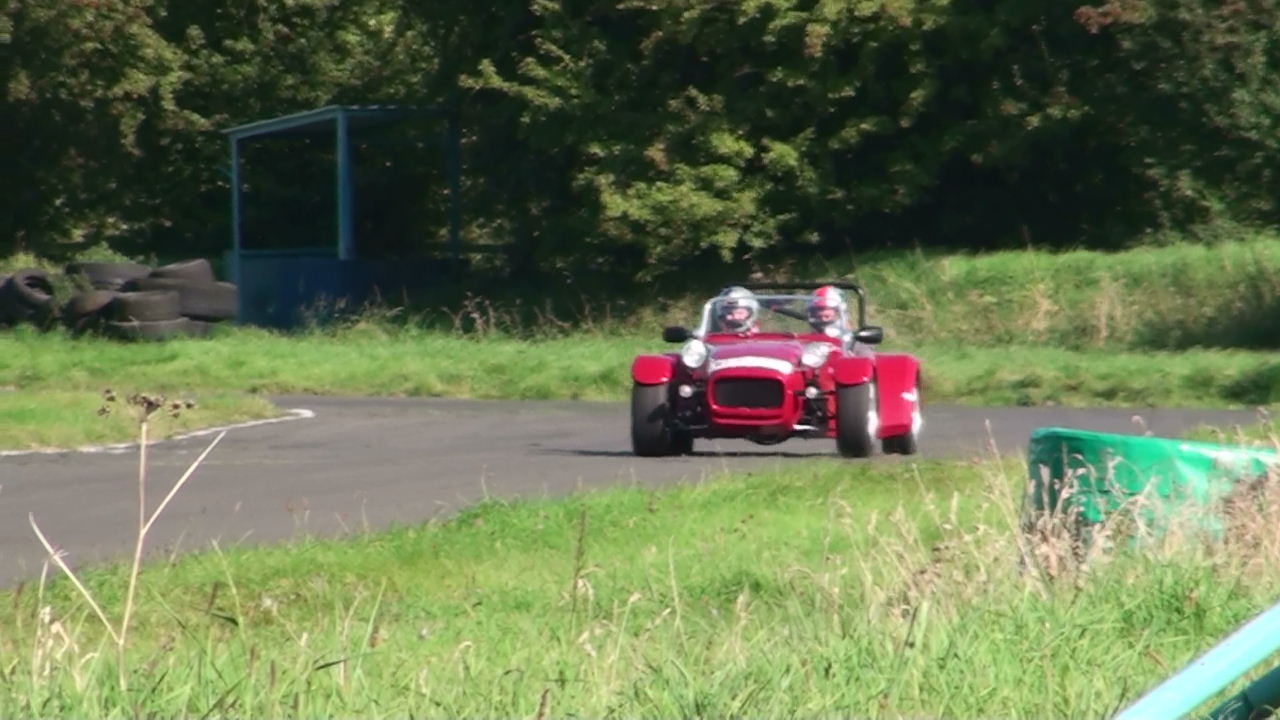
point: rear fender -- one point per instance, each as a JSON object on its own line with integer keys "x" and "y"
{"x": 898, "y": 391}
{"x": 653, "y": 369}
{"x": 852, "y": 371}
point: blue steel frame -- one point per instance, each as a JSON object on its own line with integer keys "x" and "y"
{"x": 341, "y": 116}
{"x": 1231, "y": 658}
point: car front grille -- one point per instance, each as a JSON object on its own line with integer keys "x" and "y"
{"x": 747, "y": 393}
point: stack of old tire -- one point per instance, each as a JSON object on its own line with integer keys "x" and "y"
{"x": 88, "y": 310}
{"x": 131, "y": 301}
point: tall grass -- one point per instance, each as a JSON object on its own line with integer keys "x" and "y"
{"x": 1169, "y": 297}
{"x": 1177, "y": 296}
{"x": 889, "y": 589}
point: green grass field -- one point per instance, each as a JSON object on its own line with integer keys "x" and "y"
{"x": 825, "y": 588}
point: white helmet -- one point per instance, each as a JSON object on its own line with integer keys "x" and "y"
{"x": 731, "y": 301}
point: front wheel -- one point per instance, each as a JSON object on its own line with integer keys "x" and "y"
{"x": 682, "y": 442}
{"x": 856, "y": 420}
{"x": 901, "y": 444}
{"x": 909, "y": 442}
{"x": 650, "y": 433}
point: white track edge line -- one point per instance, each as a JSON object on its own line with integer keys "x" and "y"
{"x": 292, "y": 414}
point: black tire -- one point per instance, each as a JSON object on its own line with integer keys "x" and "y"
{"x": 154, "y": 330}
{"x": 199, "y": 328}
{"x": 202, "y": 301}
{"x": 682, "y": 442}
{"x": 108, "y": 275}
{"x": 6, "y": 314}
{"x": 27, "y": 296}
{"x": 650, "y": 433}
{"x": 217, "y": 301}
{"x": 86, "y": 303}
{"x": 854, "y": 437}
{"x": 197, "y": 271}
{"x": 32, "y": 288}
{"x": 900, "y": 444}
{"x": 86, "y": 325}
{"x": 86, "y": 310}
{"x": 146, "y": 306}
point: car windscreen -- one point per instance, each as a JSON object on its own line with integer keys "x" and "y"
{"x": 773, "y": 314}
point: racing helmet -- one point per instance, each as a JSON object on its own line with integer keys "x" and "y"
{"x": 731, "y": 305}
{"x": 826, "y": 308}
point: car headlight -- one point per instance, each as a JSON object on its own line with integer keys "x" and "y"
{"x": 693, "y": 354}
{"x": 815, "y": 354}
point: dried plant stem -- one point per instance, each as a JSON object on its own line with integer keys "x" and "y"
{"x": 57, "y": 560}
{"x": 137, "y": 554}
{"x": 144, "y": 526}
{"x": 182, "y": 481}
{"x": 121, "y": 635}
{"x": 579, "y": 552}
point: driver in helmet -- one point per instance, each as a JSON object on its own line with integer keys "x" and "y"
{"x": 826, "y": 311}
{"x": 738, "y": 310}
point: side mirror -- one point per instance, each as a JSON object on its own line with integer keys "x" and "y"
{"x": 675, "y": 334}
{"x": 869, "y": 335}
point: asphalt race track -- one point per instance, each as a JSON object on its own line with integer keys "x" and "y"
{"x": 366, "y": 463}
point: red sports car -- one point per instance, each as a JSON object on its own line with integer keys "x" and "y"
{"x": 770, "y": 362}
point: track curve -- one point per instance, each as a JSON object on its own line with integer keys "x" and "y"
{"x": 370, "y": 462}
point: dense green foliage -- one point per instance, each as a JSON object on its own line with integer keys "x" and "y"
{"x": 629, "y": 135}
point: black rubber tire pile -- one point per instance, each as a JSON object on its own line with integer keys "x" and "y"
{"x": 127, "y": 301}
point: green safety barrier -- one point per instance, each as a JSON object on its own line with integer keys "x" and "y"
{"x": 1088, "y": 477}
{"x": 1091, "y": 475}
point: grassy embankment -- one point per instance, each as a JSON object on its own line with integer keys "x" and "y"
{"x": 1176, "y": 325}
{"x": 824, "y": 589}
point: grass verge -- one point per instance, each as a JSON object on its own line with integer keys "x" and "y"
{"x": 48, "y": 419}
{"x": 52, "y": 382}
{"x": 828, "y": 588}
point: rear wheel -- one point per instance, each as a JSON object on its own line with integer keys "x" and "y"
{"x": 856, "y": 420}
{"x": 650, "y": 434}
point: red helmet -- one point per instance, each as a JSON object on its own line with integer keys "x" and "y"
{"x": 826, "y": 308}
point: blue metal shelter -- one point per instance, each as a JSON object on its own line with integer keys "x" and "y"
{"x": 275, "y": 284}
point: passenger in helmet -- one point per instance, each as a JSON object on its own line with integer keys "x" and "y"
{"x": 737, "y": 310}
{"x": 826, "y": 311}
